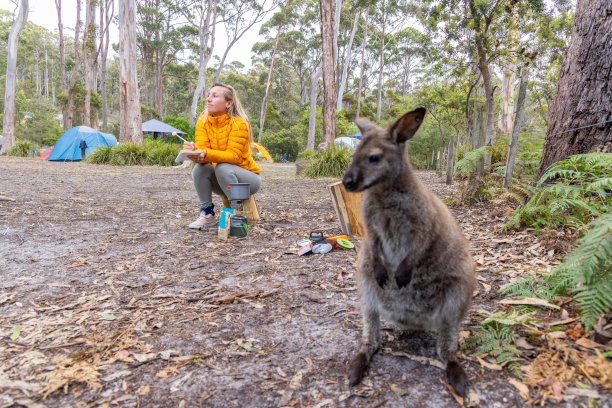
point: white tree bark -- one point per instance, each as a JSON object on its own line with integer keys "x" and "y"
{"x": 312, "y": 119}
{"x": 206, "y": 34}
{"x": 129, "y": 94}
{"x": 89, "y": 44}
{"x": 8, "y": 124}
{"x": 363, "y": 46}
{"x": 349, "y": 57}
{"x": 516, "y": 128}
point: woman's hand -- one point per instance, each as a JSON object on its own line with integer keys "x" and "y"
{"x": 189, "y": 146}
{"x": 198, "y": 158}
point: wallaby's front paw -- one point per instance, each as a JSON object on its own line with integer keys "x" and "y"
{"x": 357, "y": 369}
{"x": 457, "y": 378}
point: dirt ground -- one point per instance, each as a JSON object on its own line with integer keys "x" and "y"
{"x": 109, "y": 300}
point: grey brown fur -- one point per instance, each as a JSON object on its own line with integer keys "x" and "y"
{"x": 414, "y": 266}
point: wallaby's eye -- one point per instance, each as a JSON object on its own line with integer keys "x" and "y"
{"x": 374, "y": 158}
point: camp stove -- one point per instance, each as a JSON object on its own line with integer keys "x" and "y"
{"x": 238, "y": 193}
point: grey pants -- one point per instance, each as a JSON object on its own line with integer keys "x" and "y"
{"x": 207, "y": 179}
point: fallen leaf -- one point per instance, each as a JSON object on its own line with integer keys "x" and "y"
{"x": 107, "y": 316}
{"x": 16, "y": 332}
{"x": 397, "y": 389}
{"x": 245, "y": 346}
{"x": 144, "y": 390}
{"x": 452, "y": 391}
{"x": 590, "y": 344}
{"x": 167, "y": 372}
{"x": 522, "y": 388}
{"x": 529, "y": 301}
{"x": 488, "y": 365}
{"x": 558, "y": 390}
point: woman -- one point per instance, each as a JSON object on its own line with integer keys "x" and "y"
{"x": 224, "y": 134}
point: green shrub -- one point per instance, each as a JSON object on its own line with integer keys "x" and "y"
{"x": 128, "y": 154}
{"x": 160, "y": 153}
{"x": 569, "y": 193}
{"x": 21, "y": 149}
{"x": 101, "y": 155}
{"x": 331, "y": 162}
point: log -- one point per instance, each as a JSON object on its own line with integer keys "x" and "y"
{"x": 250, "y": 209}
{"x": 348, "y": 209}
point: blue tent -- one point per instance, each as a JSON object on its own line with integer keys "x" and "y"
{"x": 68, "y": 147}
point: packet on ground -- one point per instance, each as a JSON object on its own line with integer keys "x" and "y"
{"x": 224, "y": 222}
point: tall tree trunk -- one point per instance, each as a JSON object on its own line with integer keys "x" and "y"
{"x": 206, "y": 33}
{"x": 60, "y": 27}
{"x": 327, "y": 36}
{"x": 8, "y": 123}
{"x": 89, "y": 45}
{"x": 381, "y": 69}
{"x": 449, "y": 163}
{"x": 506, "y": 114}
{"x": 483, "y": 65}
{"x": 581, "y": 114}
{"x": 105, "y": 19}
{"x": 516, "y": 127}
{"x": 337, "y": 13}
{"x": 46, "y": 75}
{"x": 349, "y": 58}
{"x": 264, "y": 103}
{"x": 363, "y": 44}
{"x": 129, "y": 95}
{"x": 312, "y": 119}
{"x": 74, "y": 75}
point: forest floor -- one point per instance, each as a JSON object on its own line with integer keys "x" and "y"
{"x": 109, "y": 300}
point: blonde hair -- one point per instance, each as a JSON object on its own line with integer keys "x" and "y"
{"x": 235, "y": 110}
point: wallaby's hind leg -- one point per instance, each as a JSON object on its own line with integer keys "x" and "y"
{"x": 447, "y": 350}
{"x": 370, "y": 337}
{"x": 369, "y": 345}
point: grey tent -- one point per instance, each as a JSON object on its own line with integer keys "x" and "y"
{"x": 158, "y": 128}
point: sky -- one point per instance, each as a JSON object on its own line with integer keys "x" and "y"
{"x": 44, "y": 13}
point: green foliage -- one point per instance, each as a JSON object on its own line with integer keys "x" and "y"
{"x": 585, "y": 274}
{"x": 160, "y": 153}
{"x": 36, "y": 121}
{"x": 148, "y": 113}
{"x": 152, "y": 152}
{"x": 495, "y": 336}
{"x": 331, "y": 162}
{"x": 526, "y": 165}
{"x": 469, "y": 164}
{"x": 579, "y": 192}
{"x": 101, "y": 155}
{"x": 21, "y": 149}
{"x": 181, "y": 124}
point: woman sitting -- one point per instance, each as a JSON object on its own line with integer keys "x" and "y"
{"x": 224, "y": 134}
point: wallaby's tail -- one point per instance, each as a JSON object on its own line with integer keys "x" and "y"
{"x": 457, "y": 377}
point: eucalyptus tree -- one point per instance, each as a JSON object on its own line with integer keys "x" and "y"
{"x": 278, "y": 20}
{"x": 388, "y": 17}
{"x": 129, "y": 99}
{"x": 8, "y": 122}
{"x": 327, "y": 63}
{"x": 201, "y": 14}
{"x": 479, "y": 30}
{"x": 107, "y": 11}
{"x": 68, "y": 111}
{"x": 162, "y": 35}
{"x": 238, "y": 17}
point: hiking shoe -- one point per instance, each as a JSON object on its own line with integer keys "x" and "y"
{"x": 204, "y": 220}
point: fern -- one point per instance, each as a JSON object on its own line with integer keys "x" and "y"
{"x": 469, "y": 163}
{"x": 496, "y": 338}
{"x": 581, "y": 190}
{"x": 585, "y": 272}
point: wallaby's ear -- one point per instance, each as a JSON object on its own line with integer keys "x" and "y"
{"x": 363, "y": 124}
{"x": 406, "y": 126}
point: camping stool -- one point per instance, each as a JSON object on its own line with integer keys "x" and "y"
{"x": 249, "y": 207}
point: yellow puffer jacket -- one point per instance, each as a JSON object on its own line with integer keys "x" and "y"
{"x": 226, "y": 140}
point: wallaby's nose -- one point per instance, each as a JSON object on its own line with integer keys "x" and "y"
{"x": 350, "y": 184}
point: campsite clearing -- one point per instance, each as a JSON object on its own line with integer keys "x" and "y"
{"x": 109, "y": 300}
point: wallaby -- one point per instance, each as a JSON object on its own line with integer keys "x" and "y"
{"x": 414, "y": 266}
